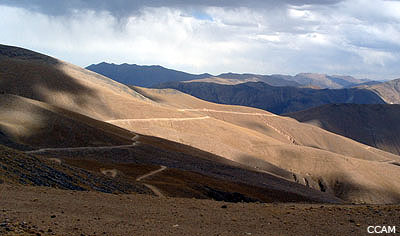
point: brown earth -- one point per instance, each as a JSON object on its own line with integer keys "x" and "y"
{"x": 17, "y": 168}
{"x": 190, "y": 175}
{"x": 262, "y": 137}
{"x": 46, "y": 211}
{"x": 247, "y": 138}
{"x": 40, "y": 125}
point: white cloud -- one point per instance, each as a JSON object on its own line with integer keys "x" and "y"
{"x": 356, "y": 37}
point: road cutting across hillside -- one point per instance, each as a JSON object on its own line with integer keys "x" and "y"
{"x": 134, "y": 139}
{"x": 229, "y": 112}
{"x": 153, "y": 188}
{"x": 160, "y": 119}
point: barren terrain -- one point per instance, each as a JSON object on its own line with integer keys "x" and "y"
{"x": 32, "y": 210}
{"x": 51, "y": 104}
{"x": 377, "y": 125}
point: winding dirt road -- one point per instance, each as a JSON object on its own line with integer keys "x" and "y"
{"x": 134, "y": 139}
{"x": 160, "y": 119}
{"x": 153, "y": 188}
{"x": 77, "y": 148}
{"x": 229, "y": 112}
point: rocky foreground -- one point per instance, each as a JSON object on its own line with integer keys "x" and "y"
{"x": 48, "y": 211}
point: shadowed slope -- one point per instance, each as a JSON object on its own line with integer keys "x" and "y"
{"x": 374, "y": 125}
{"x": 246, "y": 138}
{"x": 40, "y": 125}
{"x": 274, "y": 99}
{"x": 32, "y": 75}
{"x": 208, "y": 172}
{"x": 144, "y": 76}
{"x": 20, "y": 168}
{"x": 317, "y": 158}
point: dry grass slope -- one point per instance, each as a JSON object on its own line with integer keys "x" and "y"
{"x": 253, "y": 139}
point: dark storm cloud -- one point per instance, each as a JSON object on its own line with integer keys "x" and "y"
{"x": 126, "y": 7}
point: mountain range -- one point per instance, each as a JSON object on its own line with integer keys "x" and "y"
{"x": 149, "y": 76}
{"x": 275, "y": 93}
{"x": 90, "y": 126}
{"x": 275, "y": 99}
{"x": 58, "y": 113}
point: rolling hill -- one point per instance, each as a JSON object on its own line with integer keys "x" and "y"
{"x": 50, "y": 127}
{"x": 231, "y": 148}
{"x": 377, "y": 125}
{"x": 302, "y": 149}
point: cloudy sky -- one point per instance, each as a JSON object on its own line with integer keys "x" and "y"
{"x": 353, "y": 37}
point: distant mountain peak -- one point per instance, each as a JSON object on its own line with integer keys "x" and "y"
{"x": 142, "y": 75}
{"x": 151, "y": 75}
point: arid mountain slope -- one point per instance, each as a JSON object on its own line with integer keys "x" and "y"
{"x": 388, "y": 91}
{"x": 237, "y": 136}
{"x": 40, "y": 125}
{"x": 74, "y": 139}
{"x": 74, "y": 144}
{"x": 260, "y": 137}
{"x": 274, "y": 99}
{"x": 377, "y": 125}
{"x": 19, "y": 168}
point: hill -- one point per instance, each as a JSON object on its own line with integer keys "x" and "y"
{"x": 72, "y": 142}
{"x": 207, "y": 149}
{"x": 388, "y": 91}
{"x": 302, "y": 149}
{"x": 20, "y": 168}
{"x": 376, "y": 125}
{"x": 274, "y": 99}
{"x": 39, "y": 125}
{"x": 52, "y": 129}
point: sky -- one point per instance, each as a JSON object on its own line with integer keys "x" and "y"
{"x": 338, "y": 37}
